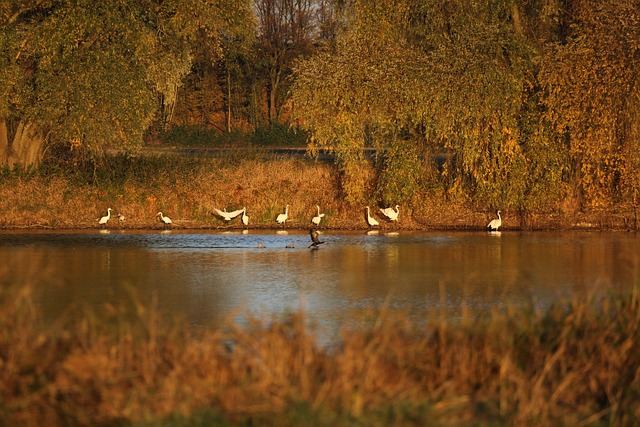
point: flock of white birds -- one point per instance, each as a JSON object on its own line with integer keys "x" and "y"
{"x": 390, "y": 213}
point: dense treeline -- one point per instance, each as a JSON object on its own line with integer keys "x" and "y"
{"x": 535, "y": 103}
{"x": 531, "y": 105}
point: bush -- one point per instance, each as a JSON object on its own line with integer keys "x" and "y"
{"x": 280, "y": 135}
{"x": 193, "y": 135}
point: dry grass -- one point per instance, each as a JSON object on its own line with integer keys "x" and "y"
{"x": 577, "y": 364}
{"x": 187, "y": 190}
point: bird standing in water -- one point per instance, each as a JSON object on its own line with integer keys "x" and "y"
{"x": 165, "y": 219}
{"x": 315, "y": 241}
{"x": 316, "y": 219}
{"x": 371, "y": 220}
{"x": 282, "y": 218}
{"x": 495, "y": 223}
{"x": 245, "y": 217}
{"x": 103, "y": 221}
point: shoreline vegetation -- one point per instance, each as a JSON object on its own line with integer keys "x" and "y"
{"x": 189, "y": 189}
{"x": 577, "y": 363}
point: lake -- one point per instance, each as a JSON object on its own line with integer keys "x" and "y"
{"x": 207, "y": 276}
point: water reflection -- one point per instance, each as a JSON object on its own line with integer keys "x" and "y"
{"x": 206, "y": 276}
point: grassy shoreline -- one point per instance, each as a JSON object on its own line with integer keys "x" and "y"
{"x": 187, "y": 190}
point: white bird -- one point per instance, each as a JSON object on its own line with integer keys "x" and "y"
{"x": 121, "y": 217}
{"x": 495, "y": 223}
{"x": 165, "y": 219}
{"x": 314, "y": 239}
{"x": 228, "y": 216}
{"x": 104, "y": 219}
{"x": 245, "y": 217}
{"x": 390, "y": 213}
{"x": 281, "y": 218}
{"x": 370, "y": 220}
{"x": 316, "y": 219}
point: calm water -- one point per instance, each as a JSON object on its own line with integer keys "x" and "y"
{"x": 206, "y": 276}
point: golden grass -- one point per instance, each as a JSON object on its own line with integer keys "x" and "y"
{"x": 187, "y": 190}
{"x": 576, "y": 364}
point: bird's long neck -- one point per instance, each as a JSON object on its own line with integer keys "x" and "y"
{"x": 499, "y": 216}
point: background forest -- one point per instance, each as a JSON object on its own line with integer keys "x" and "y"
{"x": 528, "y": 105}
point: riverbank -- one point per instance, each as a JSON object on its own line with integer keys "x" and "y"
{"x": 188, "y": 190}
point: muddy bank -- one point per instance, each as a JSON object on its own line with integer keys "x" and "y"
{"x": 468, "y": 221}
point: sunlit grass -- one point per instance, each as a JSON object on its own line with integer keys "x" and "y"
{"x": 187, "y": 190}
{"x": 577, "y": 363}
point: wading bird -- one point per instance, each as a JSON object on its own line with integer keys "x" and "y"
{"x": 282, "y": 218}
{"x": 103, "y": 221}
{"x": 390, "y": 213}
{"x": 120, "y": 217}
{"x": 228, "y": 216}
{"x": 371, "y": 220}
{"x": 165, "y": 219}
{"x": 316, "y": 219}
{"x": 314, "y": 239}
{"x": 245, "y": 217}
{"x": 495, "y": 223}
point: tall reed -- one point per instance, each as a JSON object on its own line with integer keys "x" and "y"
{"x": 577, "y": 363}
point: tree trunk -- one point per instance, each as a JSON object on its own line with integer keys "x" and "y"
{"x": 4, "y": 140}
{"x": 24, "y": 150}
{"x": 273, "y": 96}
{"x": 228, "y": 99}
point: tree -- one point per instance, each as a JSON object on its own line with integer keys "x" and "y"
{"x": 592, "y": 96}
{"x": 89, "y": 73}
{"x": 410, "y": 77}
{"x": 286, "y": 32}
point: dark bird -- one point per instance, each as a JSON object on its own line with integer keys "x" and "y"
{"x": 314, "y": 238}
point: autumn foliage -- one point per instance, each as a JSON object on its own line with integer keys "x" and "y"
{"x": 534, "y": 104}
